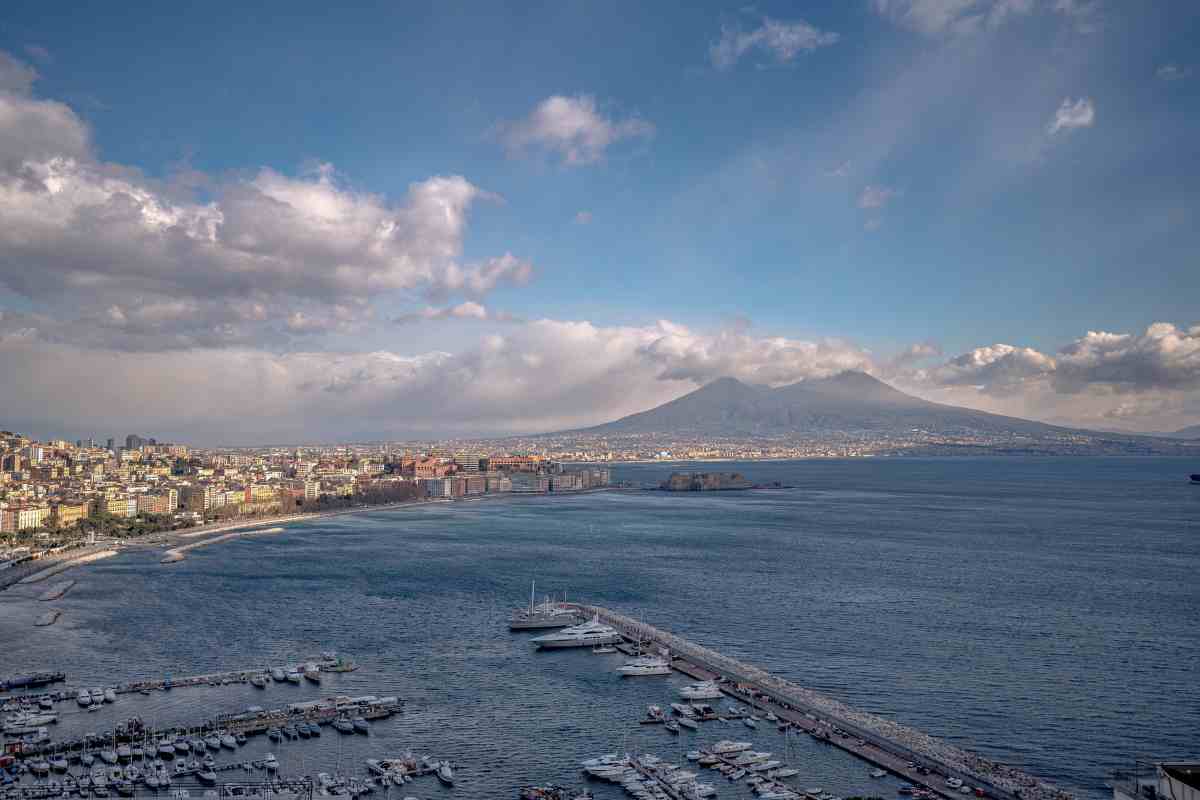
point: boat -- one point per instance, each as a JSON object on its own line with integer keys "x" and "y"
{"x": 294, "y": 676}
{"x": 445, "y": 774}
{"x": 97, "y": 696}
{"x": 704, "y": 690}
{"x": 688, "y": 722}
{"x": 749, "y": 722}
{"x": 258, "y": 681}
{"x": 108, "y": 756}
{"x": 302, "y": 731}
{"x": 269, "y": 763}
{"x": 314, "y": 729}
{"x": 343, "y": 726}
{"x": 278, "y": 675}
{"x": 46, "y": 704}
{"x": 589, "y": 634}
{"x": 59, "y": 763}
{"x": 84, "y": 698}
{"x": 227, "y": 741}
{"x": 213, "y": 742}
{"x": 290, "y": 732}
{"x": 601, "y": 649}
{"x": 643, "y": 666}
{"x": 110, "y": 695}
{"x": 671, "y": 725}
{"x": 726, "y": 747}
{"x": 207, "y": 776}
{"x": 361, "y": 725}
{"x": 182, "y": 746}
{"x": 879, "y": 773}
{"x": 655, "y": 713}
{"x": 240, "y": 739}
{"x": 124, "y": 752}
{"x": 312, "y": 673}
{"x": 542, "y": 616}
{"x": 1195, "y": 477}
{"x": 275, "y": 735}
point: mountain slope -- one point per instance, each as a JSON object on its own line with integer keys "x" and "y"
{"x": 1190, "y": 432}
{"x": 849, "y": 401}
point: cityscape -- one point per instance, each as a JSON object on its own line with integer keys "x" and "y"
{"x": 583, "y": 401}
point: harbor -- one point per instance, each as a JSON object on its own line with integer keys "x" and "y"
{"x": 940, "y": 767}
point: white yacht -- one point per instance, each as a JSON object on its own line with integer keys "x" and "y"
{"x": 726, "y": 747}
{"x": 588, "y": 634}
{"x": 645, "y": 665}
{"x": 544, "y": 615}
{"x": 705, "y": 690}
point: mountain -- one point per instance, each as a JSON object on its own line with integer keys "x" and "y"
{"x": 849, "y": 401}
{"x": 1190, "y": 432}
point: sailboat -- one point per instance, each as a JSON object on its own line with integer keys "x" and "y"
{"x": 544, "y": 615}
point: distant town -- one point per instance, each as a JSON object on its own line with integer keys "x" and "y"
{"x": 67, "y": 493}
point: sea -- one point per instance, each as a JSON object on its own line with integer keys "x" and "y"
{"x": 1042, "y": 611}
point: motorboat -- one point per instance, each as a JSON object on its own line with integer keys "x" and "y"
{"x": 704, "y": 690}
{"x": 302, "y": 730}
{"x": 542, "y": 616}
{"x": 275, "y": 735}
{"x": 726, "y": 747}
{"x": 314, "y": 729}
{"x": 589, "y": 634}
{"x": 445, "y": 773}
{"x": 343, "y": 726}
{"x": 58, "y": 763}
{"x": 166, "y": 749}
{"x": 269, "y": 763}
{"x": 240, "y": 739}
{"x": 213, "y": 742}
{"x": 278, "y": 675}
{"x": 182, "y": 746}
{"x": 645, "y": 665}
{"x": 294, "y": 676}
{"x": 258, "y": 681}
{"x": 207, "y": 776}
{"x": 312, "y": 672}
{"x": 46, "y": 704}
{"x": 361, "y": 725}
{"x": 227, "y": 741}
{"x": 671, "y": 725}
{"x": 879, "y": 773}
{"x": 290, "y": 732}
{"x": 108, "y": 756}
{"x": 84, "y": 698}
{"x": 689, "y": 723}
{"x": 110, "y": 695}
{"x": 124, "y": 752}
{"x": 97, "y": 696}
{"x": 749, "y": 722}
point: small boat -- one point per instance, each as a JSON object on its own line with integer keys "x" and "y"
{"x": 879, "y": 773}
{"x": 258, "y": 681}
{"x": 87, "y": 759}
{"x": 749, "y": 722}
{"x": 227, "y": 741}
{"x": 59, "y": 764}
{"x": 269, "y": 763}
{"x": 693, "y": 755}
{"x": 689, "y": 723}
{"x": 124, "y": 753}
{"x": 182, "y": 746}
{"x": 445, "y": 774}
{"x": 213, "y": 742}
{"x": 313, "y": 673}
{"x": 207, "y": 776}
{"x": 294, "y": 676}
{"x": 671, "y": 725}
{"x": 275, "y": 735}
{"x": 361, "y": 725}
{"x": 166, "y": 749}
{"x": 302, "y": 731}
{"x": 240, "y": 739}
{"x": 84, "y": 698}
{"x": 278, "y": 675}
{"x": 108, "y": 756}
{"x": 314, "y": 729}
{"x": 110, "y": 695}
{"x": 604, "y": 648}
{"x": 46, "y": 704}
{"x": 290, "y": 732}
{"x": 343, "y": 726}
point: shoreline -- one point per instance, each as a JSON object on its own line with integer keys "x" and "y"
{"x": 63, "y": 566}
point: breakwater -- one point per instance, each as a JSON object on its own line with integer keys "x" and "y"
{"x": 176, "y": 554}
{"x": 911, "y": 753}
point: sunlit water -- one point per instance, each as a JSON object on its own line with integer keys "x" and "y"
{"x": 1042, "y": 611}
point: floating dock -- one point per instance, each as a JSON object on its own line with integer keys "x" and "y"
{"x": 916, "y": 756}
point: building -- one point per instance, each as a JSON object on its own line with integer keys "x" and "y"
{"x": 68, "y": 514}
{"x": 527, "y": 482}
{"x": 469, "y": 463}
{"x": 159, "y": 503}
{"x": 436, "y": 487}
{"x": 515, "y": 463}
{"x": 31, "y": 517}
{"x": 121, "y": 506}
{"x": 312, "y": 490}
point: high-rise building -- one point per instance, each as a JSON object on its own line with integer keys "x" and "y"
{"x": 112, "y": 444}
{"x": 133, "y": 441}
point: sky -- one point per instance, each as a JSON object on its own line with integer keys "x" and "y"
{"x": 301, "y": 222}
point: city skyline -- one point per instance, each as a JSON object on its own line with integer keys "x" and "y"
{"x": 489, "y": 224}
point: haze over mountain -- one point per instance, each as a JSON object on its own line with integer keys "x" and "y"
{"x": 1190, "y": 432}
{"x": 849, "y": 401}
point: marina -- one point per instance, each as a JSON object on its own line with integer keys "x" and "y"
{"x": 919, "y": 758}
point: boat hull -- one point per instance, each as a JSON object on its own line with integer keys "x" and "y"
{"x": 560, "y": 644}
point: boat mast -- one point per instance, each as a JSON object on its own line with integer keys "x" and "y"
{"x": 532, "y": 584}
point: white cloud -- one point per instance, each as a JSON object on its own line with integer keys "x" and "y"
{"x": 583, "y": 218}
{"x": 571, "y": 127}
{"x": 875, "y": 197}
{"x": 1072, "y": 114}
{"x": 82, "y": 235}
{"x": 782, "y": 40}
{"x": 469, "y": 310}
{"x": 1172, "y": 72}
{"x": 997, "y": 368}
{"x": 959, "y": 17}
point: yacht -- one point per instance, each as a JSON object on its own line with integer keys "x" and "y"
{"x": 589, "y": 634}
{"x": 361, "y": 725}
{"x": 84, "y": 698}
{"x": 445, "y": 774}
{"x": 689, "y": 723}
{"x": 258, "y": 681}
{"x": 645, "y": 665}
{"x": 726, "y": 747}
{"x": 110, "y": 695}
{"x": 277, "y": 675}
{"x": 228, "y": 741}
{"x": 541, "y": 616}
{"x": 705, "y": 690}
{"x": 97, "y": 696}
{"x": 343, "y": 726}
{"x": 46, "y": 704}
{"x": 294, "y": 676}
{"x": 124, "y": 752}
{"x": 313, "y": 673}
{"x": 59, "y": 763}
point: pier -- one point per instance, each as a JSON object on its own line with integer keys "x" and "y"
{"x": 918, "y": 757}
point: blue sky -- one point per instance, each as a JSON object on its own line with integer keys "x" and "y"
{"x": 876, "y": 173}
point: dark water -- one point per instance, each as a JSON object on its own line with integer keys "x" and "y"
{"x": 1045, "y": 612}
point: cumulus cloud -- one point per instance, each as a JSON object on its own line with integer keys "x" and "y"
{"x": 997, "y": 368}
{"x": 782, "y": 40}
{"x": 573, "y": 128}
{"x": 469, "y": 310}
{"x": 76, "y": 230}
{"x": 876, "y": 197}
{"x": 1072, "y": 114}
{"x": 1164, "y": 356}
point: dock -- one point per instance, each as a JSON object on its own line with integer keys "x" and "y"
{"x": 917, "y": 757}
